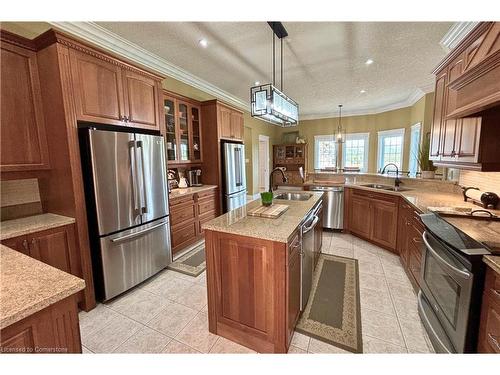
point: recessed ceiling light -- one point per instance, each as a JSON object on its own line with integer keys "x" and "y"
{"x": 203, "y": 43}
{"x": 362, "y": 91}
{"x": 257, "y": 83}
{"x": 369, "y": 62}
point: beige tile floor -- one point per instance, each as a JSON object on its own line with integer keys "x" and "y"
{"x": 168, "y": 314}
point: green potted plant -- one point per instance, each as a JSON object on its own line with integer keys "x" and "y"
{"x": 427, "y": 167}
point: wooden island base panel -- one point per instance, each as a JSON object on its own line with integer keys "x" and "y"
{"x": 253, "y": 275}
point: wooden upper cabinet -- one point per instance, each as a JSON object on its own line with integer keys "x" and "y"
{"x": 98, "y": 89}
{"x": 108, "y": 93}
{"x": 23, "y": 139}
{"x": 230, "y": 123}
{"x": 141, "y": 100}
{"x": 224, "y": 122}
{"x": 237, "y": 127}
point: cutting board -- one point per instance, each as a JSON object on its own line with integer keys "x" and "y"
{"x": 272, "y": 212}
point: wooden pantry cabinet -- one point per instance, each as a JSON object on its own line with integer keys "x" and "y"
{"x": 467, "y": 103}
{"x": 23, "y": 142}
{"x": 187, "y": 214}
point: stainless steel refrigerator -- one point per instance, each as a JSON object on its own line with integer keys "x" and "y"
{"x": 127, "y": 201}
{"x": 234, "y": 191}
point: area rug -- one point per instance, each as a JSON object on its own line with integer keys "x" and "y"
{"x": 192, "y": 263}
{"x": 333, "y": 312}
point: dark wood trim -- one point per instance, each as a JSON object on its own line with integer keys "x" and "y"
{"x": 11, "y": 38}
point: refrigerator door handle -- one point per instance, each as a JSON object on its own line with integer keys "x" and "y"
{"x": 133, "y": 166}
{"x": 144, "y": 203}
{"x": 137, "y": 234}
{"x": 237, "y": 165}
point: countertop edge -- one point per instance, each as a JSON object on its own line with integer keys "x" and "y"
{"x": 33, "y": 228}
{"x": 39, "y": 306}
{"x": 492, "y": 263}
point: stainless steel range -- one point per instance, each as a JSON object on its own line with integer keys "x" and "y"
{"x": 451, "y": 285}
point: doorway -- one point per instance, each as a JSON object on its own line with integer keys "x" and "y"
{"x": 263, "y": 163}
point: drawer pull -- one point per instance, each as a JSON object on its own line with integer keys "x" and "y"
{"x": 495, "y": 292}
{"x": 494, "y": 341}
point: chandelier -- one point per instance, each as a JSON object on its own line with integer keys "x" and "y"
{"x": 270, "y": 103}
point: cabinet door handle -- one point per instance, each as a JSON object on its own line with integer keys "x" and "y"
{"x": 26, "y": 246}
{"x": 437, "y": 153}
{"x": 453, "y": 153}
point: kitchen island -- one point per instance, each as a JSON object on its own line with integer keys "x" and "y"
{"x": 253, "y": 275}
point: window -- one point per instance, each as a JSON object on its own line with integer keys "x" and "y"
{"x": 325, "y": 152}
{"x": 355, "y": 151}
{"x": 390, "y": 147}
{"x": 414, "y": 148}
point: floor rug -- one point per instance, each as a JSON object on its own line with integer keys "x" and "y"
{"x": 192, "y": 263}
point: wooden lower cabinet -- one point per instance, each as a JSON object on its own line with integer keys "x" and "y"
{"x": 373, "y": 216}
{"x": 253, "y": 290}
{"x": 489, "y": 328}
{"x": 187, "y": 214}
{"x": 56, "y": 247}
{"x": 294, "y": 284}
{"x": 54, "y": 329}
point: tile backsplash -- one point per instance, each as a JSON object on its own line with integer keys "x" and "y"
{"x": 485, "y": 181}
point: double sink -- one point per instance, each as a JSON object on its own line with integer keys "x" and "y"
{"x": 385, "y": 187}
{"x": 306, "y": 196}
{"x": 293, "y": 196}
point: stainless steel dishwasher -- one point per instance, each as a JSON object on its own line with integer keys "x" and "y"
{"x": 307, "y": 256}
{"x": 333, "y": 206}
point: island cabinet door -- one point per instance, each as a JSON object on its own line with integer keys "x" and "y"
{"x": 294, "y": 292}
{"x": 247, "y": 303}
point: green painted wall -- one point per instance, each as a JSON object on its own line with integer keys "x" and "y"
{"x": 396, "y": 119}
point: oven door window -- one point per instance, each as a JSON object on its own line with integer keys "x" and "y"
{"x": 445, "y": 290}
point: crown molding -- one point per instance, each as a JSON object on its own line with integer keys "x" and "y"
{"x": 455, "y": 34}
{"x": 414, "y": 97}
{"x": 107, "y": 40}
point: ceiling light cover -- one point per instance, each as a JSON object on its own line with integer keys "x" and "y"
{"x": 203, "y": 43}
{"x": 270, "y": 104}
{"x": 369, "y": 62}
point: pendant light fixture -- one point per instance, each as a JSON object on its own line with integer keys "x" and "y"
{"x": 339, "y": 132}
{"x": 269, "y": 103}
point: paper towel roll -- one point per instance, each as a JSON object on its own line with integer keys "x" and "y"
{"x": 474, "y": 194}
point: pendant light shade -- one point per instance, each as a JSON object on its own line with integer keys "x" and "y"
{"x": 270, "y": 103}
{"x": 339, "y": 130}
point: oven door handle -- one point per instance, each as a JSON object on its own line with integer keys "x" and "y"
{"x": 462, "y": 274}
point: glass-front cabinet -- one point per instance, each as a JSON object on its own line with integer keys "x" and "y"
{"x": 183, "y": 131}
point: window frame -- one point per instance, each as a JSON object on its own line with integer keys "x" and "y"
{"x": 319, "y": 138}
{"x": 414, "y": 158}
{"x": 382, "y": 134}
{"x": 355, "y": 136}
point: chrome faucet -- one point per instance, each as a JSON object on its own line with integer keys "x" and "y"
{"x": 285, "y": 179}
{"x": 397, "y": 181}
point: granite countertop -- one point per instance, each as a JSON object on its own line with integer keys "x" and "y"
{"x": 175, "y": 193}
{"x": 29, "y": 286}
{"x": 487, "y": 232}
{"x": 493, "y": 261}
{"x": 31, "y": 224}
{"x": 280, "y": 229}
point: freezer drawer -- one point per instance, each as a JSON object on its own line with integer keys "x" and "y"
{"x": 132, "y": 256}
{"x": 234, "y": 201}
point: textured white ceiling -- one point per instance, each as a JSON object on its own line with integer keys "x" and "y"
{"x": 324, "y": 61}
